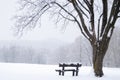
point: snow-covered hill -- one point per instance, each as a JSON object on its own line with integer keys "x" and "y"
{"x": 10, "y": 71}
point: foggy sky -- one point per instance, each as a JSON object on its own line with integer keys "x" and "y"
{"x": 48, "y": 30}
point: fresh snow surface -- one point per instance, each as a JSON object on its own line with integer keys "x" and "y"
{"x": 15, "y": 71}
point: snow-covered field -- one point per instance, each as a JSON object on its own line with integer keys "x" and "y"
{"x": 15, "y": 71}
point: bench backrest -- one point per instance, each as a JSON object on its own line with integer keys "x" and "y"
{"x": 70, "y": 65}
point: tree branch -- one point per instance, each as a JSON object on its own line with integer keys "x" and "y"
{"x": 99, "y": 26}
{"x": 30, "y": 2}
{"x": 75, "y": 19}
{"x": 67, "y": 18}
{"x": 87, "y": 3}
{"x": 81, "y": 19}
{"x": 104, "y": 19}
{"x": 84, "y": 6}
{"x": 113, "y": 15}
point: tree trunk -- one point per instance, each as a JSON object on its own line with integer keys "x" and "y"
{"x": 98, "y": 63}
{"x": 98, "y": 67}
{"x": 98, "y": 56}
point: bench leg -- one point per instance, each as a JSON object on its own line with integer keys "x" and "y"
{"x": 59, "y": 72}
{"x": 76, "y": 73}
{"x": 62, "y": 73}
{"x": 73, "y": 73}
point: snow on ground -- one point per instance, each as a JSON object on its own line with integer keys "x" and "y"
{"x": 15, "y": 71}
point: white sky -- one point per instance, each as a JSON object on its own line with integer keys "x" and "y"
{"x": 7, "y": 10}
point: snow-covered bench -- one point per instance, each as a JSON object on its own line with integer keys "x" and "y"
{"x": 63, "y": 70}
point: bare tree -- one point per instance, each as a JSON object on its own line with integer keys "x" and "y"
{"x": 98, "y": 31}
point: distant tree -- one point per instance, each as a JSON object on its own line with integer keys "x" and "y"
{"x": 95, "y": 18}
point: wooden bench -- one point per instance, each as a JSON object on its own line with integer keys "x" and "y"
{"x": 63, "y": 70}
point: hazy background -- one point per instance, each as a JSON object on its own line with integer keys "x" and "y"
{"x": 48, "y": 43}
